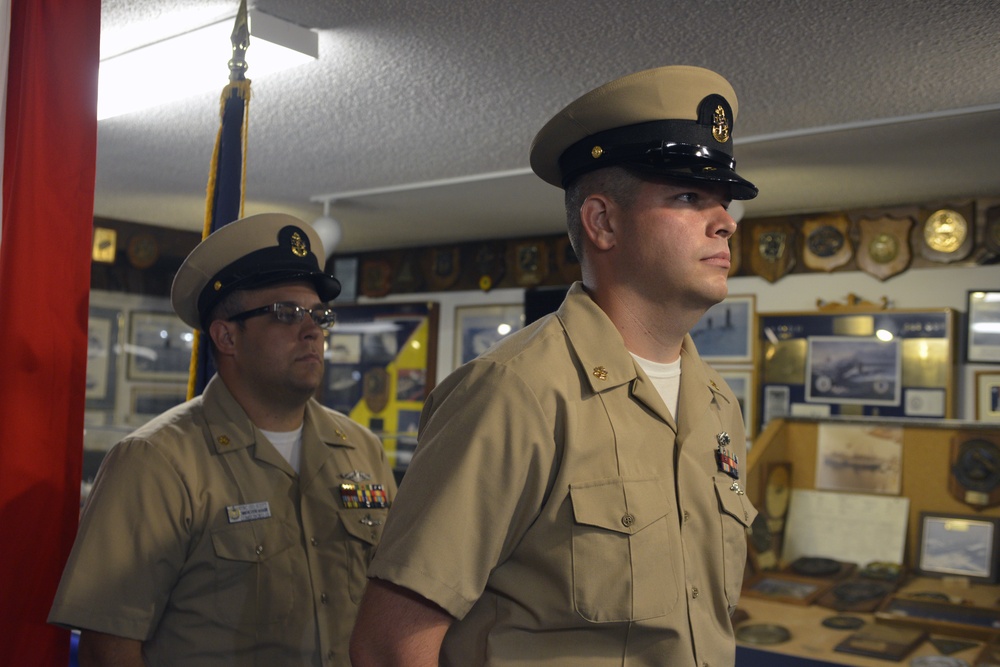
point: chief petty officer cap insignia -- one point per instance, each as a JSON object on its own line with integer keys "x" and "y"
{"x": 250, "y": 253}
{"x": 672, "y": 121}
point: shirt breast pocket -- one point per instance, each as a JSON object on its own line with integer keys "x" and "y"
{"x": 736, "y": 514}
{"x": 624, "y": 550}
{"x": 254, "y": 571}
{"x": 363, "y": 528}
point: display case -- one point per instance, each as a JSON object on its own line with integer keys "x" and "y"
{"x": 890, "y": 475}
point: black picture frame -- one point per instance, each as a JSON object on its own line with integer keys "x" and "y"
{"x": 959, "y": 545}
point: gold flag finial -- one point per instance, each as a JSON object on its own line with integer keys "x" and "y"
{"x": 241, "y": 40}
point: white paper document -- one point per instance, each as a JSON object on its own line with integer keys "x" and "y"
{"x": 857, "y": 528}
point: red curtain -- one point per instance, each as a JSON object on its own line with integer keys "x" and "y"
{"x": 50, "y": 144}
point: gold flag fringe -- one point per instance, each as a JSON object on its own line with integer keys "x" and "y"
{"x": 242, "y": 89}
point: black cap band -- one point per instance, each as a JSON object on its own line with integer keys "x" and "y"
{"x": 690, "y": 152}
{"x": 289, "y": 261}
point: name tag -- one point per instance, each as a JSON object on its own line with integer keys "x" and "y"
{"x": 248, "y": 512}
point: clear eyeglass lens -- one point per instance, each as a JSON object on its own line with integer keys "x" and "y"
{"x": 291, "y": 314}
{"x": 323, "y": 317}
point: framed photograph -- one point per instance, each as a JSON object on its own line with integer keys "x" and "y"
{"x": 159, "y": 347}
{"x": 477, "y": 328}
{"x": 740, "y": 380}
{"x": 725, "y": 333}
{"x": 959, "y": 545}
{"x": 859, "y": 362}
{"x": 776, "y": 403}
{"x": 343, "y": 348}
{"x": 886, "y": 642}
{"x": 988, "y": 396}
{"x": 102, "y": 339}
{"x": 859, "y": 458}
{"x": 786, "y": 588}
{"x": 983, "y": 335}
{"x": 148, "y": 401}
{"x": 854, "y": 370}
{"x": 393, "y": 345}
{"x": 345, "y": 269}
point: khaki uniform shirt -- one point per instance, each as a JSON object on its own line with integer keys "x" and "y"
{"x": 560, "y": 513}
{"x": 199, "y": 539}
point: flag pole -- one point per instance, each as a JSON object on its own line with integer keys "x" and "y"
{"x": 226, "y": 188}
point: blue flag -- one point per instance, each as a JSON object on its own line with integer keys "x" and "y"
{"x": 226, "y": 176}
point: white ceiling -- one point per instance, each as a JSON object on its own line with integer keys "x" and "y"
{"x": 419, "y": 114}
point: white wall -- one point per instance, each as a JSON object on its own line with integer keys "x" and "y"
{"x": 938, "y": 287}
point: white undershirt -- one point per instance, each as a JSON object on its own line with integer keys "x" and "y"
{"x": 666, "y": 378}
{"x": 288, "y": 444}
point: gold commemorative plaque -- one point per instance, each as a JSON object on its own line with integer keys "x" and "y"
{"x": 376, "y": 389}
{"x": 785, "y": 361}
{"x": 408, "y": 277}
{"x": 531, "y": 263}
{"x": 441, "y": 267}
{"x": 827, "y": 244}
{"x": 105, "y": 245}
{"x": 773, "y": 249}
{"x": 142, "y": 251}
{"x": 884, "y": 248}
{"x": 489, "y": 265}
{"x": 975, "y": 470}
{"x": 376, "y": 277}
{"x": 946, "y": 236}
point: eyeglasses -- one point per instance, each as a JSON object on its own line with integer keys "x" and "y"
{"x": 289, "y": 313}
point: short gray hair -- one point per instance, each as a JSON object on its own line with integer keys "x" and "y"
{"x": 231, "y": 305}
{"x": 618, "y": 183}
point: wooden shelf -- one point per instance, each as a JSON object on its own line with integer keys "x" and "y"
{"x": 814, "y": 643}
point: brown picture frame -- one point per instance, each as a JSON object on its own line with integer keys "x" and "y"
{"x": 786, "y": 588}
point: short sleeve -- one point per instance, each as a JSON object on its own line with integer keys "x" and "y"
{"x": 475, "y": 484}
{"x": 131, "y": 545}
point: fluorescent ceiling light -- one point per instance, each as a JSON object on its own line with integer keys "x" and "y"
{"x": 198, "y": 61}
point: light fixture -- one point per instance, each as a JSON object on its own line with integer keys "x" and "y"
{"x": 196, "y": 61}
{"x": 328, "y": 229}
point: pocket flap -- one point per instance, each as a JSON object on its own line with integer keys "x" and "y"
{"x": 252, "y": 541}
{"x": 364, "y": 524}
{"x": 624, "y": 506}
{"x": 733, "y": 503}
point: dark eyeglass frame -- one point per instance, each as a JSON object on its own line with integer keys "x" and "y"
{"x": 289, "y": 313}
